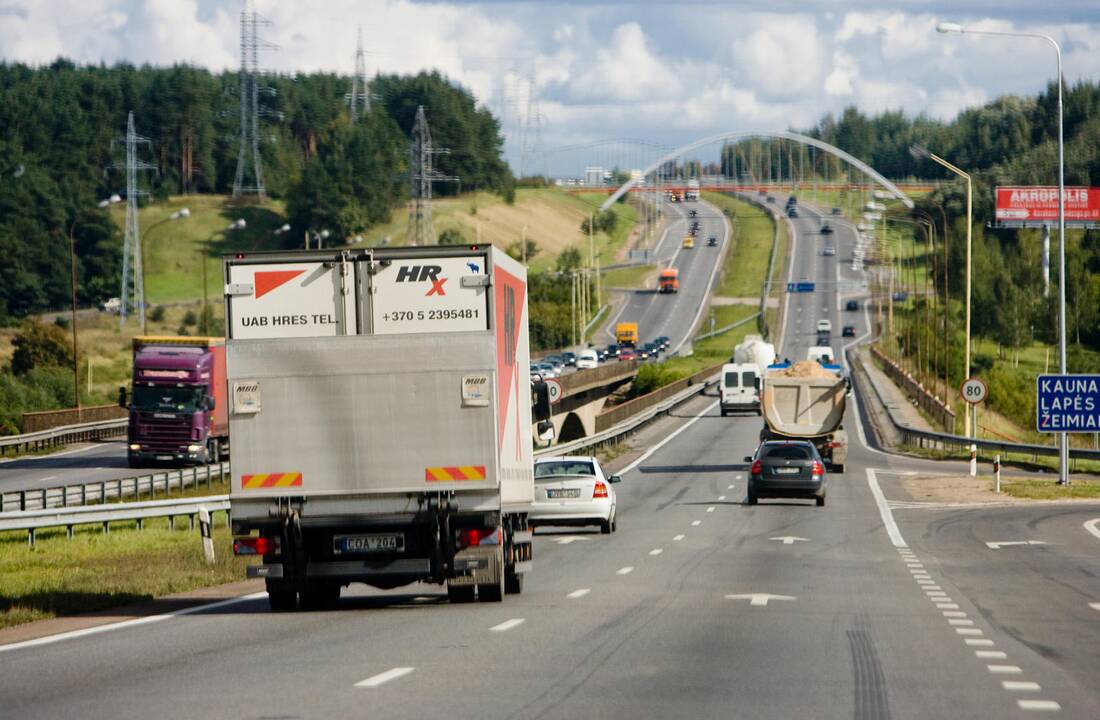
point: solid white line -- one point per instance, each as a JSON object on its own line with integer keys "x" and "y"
{"x": 696, "y": 523}
{"x": 74, "y": 634}
{"x": 507, "y": 625}
{"x": 678, "y": 538}
{"x": 1020, "y": 686}
{"x": 578, "y": 593}
{"x": 656, "y": 551}
{"x": 1039, "y": 705}
{"x": 884, "y": 511}
{"x": 710, "y": 509}
{"x": 1091, "y": 527}
{"x": 383, "y": 678}
{"x": 990, "y": 654}
{"x": 668, "y": 438}
{"x": 624, "y": 570}
{"x": 1004, "y": 669}
{"x": 979, "y": 642}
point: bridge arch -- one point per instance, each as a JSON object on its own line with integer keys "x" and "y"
{"x": 572, "y": 428}
{"x": 774, "y": 135}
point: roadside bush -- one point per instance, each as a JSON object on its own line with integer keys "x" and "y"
{"x": 451, "y": 236}
{"x": 39, "y": 389}
{"x": 190, "y": 319}
{"x": 653, "y": 377}
{"x": 37, "y": 345}
{"x": 1012, "y": 393}
{"x": 158, "y": 314}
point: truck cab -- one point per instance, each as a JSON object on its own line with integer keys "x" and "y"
{"x": 668, "y": 281}
{"x": 739, "y": 387}
{"x": 626, "y": 335}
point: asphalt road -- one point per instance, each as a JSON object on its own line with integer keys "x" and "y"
{"x": 675, "y": 314}
{"x": 699, "y": 607}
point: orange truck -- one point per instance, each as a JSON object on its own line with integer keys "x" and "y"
{"x": 668, "y": 281}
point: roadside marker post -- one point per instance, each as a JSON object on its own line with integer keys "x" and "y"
{"x": 997, "y": 474}
{"x": 204, "y": 530}
{"x": 973, "y": 460}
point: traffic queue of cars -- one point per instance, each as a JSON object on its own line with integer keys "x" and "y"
{"x": 554, "y": 366}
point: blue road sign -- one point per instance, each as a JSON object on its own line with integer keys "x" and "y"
{"x": 1067, "y": 403}
{"x": 800, "y": 287}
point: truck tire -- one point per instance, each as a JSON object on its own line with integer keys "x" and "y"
{"x": 838, "y": 468}
{"x": 820, "y": 501}
{"x": 460, "y": 593}
{"x": 282, "y": 600}
{"x": 513, "y": 583}
{"x": 494, "y": 592}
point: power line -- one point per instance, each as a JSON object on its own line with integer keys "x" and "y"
{"x": 133, "y": 281}
{"x": 420, "y": 230}
{"x": 248, "y": 156}
{"x": 359, "y": 98}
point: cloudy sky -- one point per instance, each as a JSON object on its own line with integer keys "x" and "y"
{"x": 665, "y": 72}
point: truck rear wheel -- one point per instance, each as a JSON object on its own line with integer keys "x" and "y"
{"x": 460, "y": 593}
{"x": 513, "y": 583}
{"x": 494, "y": 592}
{"x": 282, "y": 600}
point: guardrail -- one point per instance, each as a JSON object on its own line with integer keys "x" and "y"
{"x": 945, "y": 442}
{"x": 100, "y": 492}
{"x": 33, "y": 520}
{"x": 64, "y": 434}
{"x": 727, "y": 328}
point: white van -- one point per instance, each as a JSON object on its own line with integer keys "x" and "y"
{"x": 588, "y": 359}
{"x": 822, "y": 354}
{"x": 824, "y": 326}
{"x": 740, "y": 387}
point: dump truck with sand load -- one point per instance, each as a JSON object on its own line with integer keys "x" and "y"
{"x": 381, "y": 415}
{"x": 806, "y": 401}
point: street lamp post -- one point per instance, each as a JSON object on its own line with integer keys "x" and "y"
{"x": 238, "y": 224}
{"x": 923, "y": 152}
{"x": 181, "y": 213}
{"x": 1063, "y": 442}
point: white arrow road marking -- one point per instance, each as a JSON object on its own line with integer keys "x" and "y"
{"x": 1091, "y": 526}
{"x": 383, "y": 678}
{"x": 572, "y": 539}
{"x": 759, "y": 599}
{"x": 578, "y": 593}
{"x": 1094, "y": 606}
{"x": 790, "y": 539}
{"x": 507, "y": 625}
{"x": 710, "y": 509}
{"x": 1006, "y": 543}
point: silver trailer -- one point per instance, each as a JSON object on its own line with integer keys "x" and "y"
{"x": 380, "y": 410}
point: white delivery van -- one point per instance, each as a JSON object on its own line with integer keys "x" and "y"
{"x": 739, "y": 387}
{"x": 587, "y": 360}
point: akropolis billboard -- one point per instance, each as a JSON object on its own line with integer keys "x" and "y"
{"x": 1038, "y": 205}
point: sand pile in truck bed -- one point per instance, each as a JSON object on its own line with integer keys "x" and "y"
{"x": 804, "y": 369}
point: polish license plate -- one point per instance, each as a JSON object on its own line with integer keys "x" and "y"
{"x": 350, "y": 544}
{"x": 563, "y": 494}
{"x": 787, "y": 471}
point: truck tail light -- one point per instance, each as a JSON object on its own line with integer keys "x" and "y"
{"x": 833, "y": 445}
{"x": 757, "y": 467}
{"x": 600, "y": 491}
{"x": 472, "y": 537}
{"x": 256, "y": 546}
{"x": 818, "y": 469}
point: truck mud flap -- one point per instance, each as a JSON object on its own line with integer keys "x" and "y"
{"x": 477, "y": 566}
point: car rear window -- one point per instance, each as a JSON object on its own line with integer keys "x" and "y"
{"x": 748, "y": 378}
{"x": 559, "y": 468}
{"x": 731, "y": 379}
{"x": 788, "y": 452}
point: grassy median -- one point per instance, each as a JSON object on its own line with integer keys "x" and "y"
{"x": 93, "y": 571}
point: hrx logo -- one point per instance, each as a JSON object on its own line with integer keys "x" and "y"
{"x": 423, "y": 273}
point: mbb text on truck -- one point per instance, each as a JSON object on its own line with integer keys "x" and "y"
{"x": 380, "y": 407}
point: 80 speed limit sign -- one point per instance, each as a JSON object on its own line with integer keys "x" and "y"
{"x": 974, "y": 391}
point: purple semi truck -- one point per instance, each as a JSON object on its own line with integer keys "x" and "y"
{"x": 178, "y": 409}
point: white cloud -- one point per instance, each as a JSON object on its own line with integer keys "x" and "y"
{"x": 782, "y": 58}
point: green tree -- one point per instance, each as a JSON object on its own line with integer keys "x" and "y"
{"x": 40, "y": 346}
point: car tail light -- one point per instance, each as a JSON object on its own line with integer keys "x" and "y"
{"x": 833, "y": 445}
{"x": 600, "y": 491}
{"x": 818, "y": 468}
{"x": 256, "y": 546}
{"x": 757, "y": 467}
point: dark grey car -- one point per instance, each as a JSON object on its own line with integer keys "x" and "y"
{"x": 786, "y": 469}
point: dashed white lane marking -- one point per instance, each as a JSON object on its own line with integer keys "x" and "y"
{"x": 925, "y": 581}
{"x": 730, "y": 487}
{"x": 383, "y": 678}
{"x": 1004, "y": 669}
{"x": 710, "y": 509}
{"x": 960, "y": 622}
{"x": 721, "y": 497}
{"x": 678, "y": 538}
{"x": 656, "y": 551}
{"x": 624, "y": 570}
{"x": 1039, "y": 705}
{"x": 968, "y": 631}
{"x": 49, "y": 477}
{"x": 887, "y": 516}
{"x": 696, "y": 523}
{"x": 933, "y": 587}
{"x": 1020, "y": 686}
{"x": 947, "y": 606}
{"x": 507, "y": 625}
{"x": 979, "y": 642}
{"x": 954, "y": 613}
{"x": 578, "y": 593}
{"x": 990, "y": 654}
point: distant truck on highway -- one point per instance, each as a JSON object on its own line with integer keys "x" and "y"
{"x": 753, "y": 350}
{"x": 669, "y": 281}
{"x": 177, "y": 404}
{"x": 381, "y": 414}
{"x": 626, "y": 334}
{"x": 806, "y": 401}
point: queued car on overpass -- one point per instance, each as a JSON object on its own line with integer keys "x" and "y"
{"x": 587, "y": 360}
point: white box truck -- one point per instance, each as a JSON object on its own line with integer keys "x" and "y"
{"x": 380, "y": 409}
